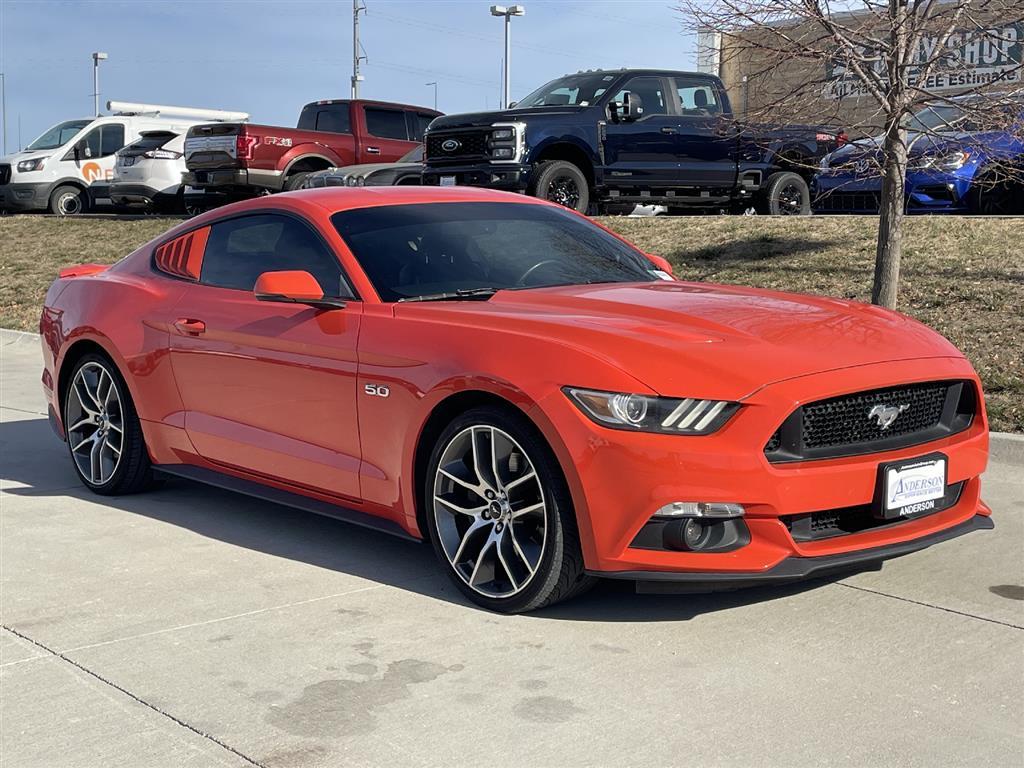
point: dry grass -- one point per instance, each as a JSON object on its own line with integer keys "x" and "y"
{"x": 963, "y": 277}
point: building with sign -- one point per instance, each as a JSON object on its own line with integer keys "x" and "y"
{"x": 766, "y": 83}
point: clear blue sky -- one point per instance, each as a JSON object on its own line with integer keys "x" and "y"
{"x": 271, "y": 57}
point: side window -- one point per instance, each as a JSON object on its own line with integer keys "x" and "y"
{"x": 697, "y": 97}
{"x": 239, "y": 250}
{"x": 333, "y": 118}
{"x": 386, "y": 123}
{"x": 111, "y": 139}
{"x": 418, "y": 123}
{"x": 652, "y": 95}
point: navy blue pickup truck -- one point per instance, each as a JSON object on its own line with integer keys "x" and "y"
{"x": 607, "y": 140}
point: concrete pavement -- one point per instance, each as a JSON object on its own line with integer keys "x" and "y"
{"x": 192, "y": 627}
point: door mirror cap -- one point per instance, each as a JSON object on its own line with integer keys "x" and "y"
{"x": 627, "y": 110}
{"x": 82, "y": 148}
{"x": 293, "y": 287}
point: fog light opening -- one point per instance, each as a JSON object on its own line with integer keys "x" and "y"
{"x": 695, "y": 534}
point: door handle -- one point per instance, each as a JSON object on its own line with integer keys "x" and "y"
{"x": 373, "y": 150}
{"x": 189, "y": 327}
{"x": 668, "y": 129}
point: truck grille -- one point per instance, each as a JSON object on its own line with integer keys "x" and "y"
{"x": 811, "y": 526}
{"x": 876, "y": 420}
{"x": 5, "y": 174}
{"x": 472, "y": 144}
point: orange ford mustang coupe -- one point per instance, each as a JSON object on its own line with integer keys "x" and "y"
{"x": 527, "y": 390}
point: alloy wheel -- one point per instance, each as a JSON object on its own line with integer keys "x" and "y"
{"x": 490, "y": 510}
{"x": 69, "y": 204}
{"x": 94, "y": 411}
{"x": 564, "y": 191}
{"x": 791, "y": 200}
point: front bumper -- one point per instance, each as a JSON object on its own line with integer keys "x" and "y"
{"x": 926, "y": 192}
{"x": 795, "y": 568}
{"x": 507, "y": 177}
{"x": 25, "y": 196}
{"x": 619, "y": 479}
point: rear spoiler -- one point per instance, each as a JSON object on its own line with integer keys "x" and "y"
{"x": 82, "y": 270}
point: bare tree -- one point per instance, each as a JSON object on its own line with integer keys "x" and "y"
{"x": 870, "y": 65}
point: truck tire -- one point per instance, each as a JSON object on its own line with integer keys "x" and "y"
{"x": 562, "y": 182}
{"x": 69, "y": 200}
{"x": 996, "y": 194}
{"x": 786, "y": 194}
{"x": 294, "y": 181}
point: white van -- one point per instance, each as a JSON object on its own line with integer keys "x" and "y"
{"x": 68, "y": 169}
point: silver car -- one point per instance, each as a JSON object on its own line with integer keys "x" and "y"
{"x": 406, "y": 171}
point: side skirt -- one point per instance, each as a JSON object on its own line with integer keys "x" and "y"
{"x": 285, "y": 498}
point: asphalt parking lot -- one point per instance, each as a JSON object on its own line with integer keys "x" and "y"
{"x": 191, "y": 627}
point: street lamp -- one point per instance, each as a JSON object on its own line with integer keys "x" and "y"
{"x": 508, "y": 12}
{"x": 435, "y": 93}
{"x": 97, "y": 57}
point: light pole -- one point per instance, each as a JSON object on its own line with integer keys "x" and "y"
{"x": 97, "y": 57}
{"x": 508, "y": 13}
{"x": 435, "y": 93}
{"x": 3, "y": 107}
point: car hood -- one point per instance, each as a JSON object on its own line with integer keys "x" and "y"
{"x": 703, "y": 340}
{"x": 918, "y": 144}
{"x": 367, "y": 168}
{"x": 16, "y": 157}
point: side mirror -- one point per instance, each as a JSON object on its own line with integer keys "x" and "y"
{"x": 82, "y": 148}
{"x": 632, "y": 107}
{"x": 661, "y": 263}
{"x": 512, "y": 104}
{"x": 293, "y": 287}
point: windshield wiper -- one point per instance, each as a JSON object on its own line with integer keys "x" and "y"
{"x": 462, "y": 293}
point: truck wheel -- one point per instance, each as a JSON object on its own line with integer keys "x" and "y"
{"x": 69, "y": 201}
{"x": 294, "y": 181}
{"x": 996, "y": 195}
{"x": 786, "y": 194}
{"x": 563, "y": 183}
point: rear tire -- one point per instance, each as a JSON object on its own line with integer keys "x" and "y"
{"x": 562, "y": 182}
{"x": 294, "y": 181}
{"x": 103, "y": 432}
{"x": 499, "y": 514}
{"x": 786, "y": 194}
{"x": 68, "y": 200}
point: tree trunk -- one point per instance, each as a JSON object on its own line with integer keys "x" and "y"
{"x": 889, "y": 248}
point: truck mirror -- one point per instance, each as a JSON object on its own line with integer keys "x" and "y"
{"x": 512, "y": 104}
{"x": 632, "y": 106}
{"x": 82, "y": 148}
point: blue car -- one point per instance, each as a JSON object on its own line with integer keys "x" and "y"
{"x": 953, "y": 168}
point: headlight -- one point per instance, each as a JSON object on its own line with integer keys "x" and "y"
{"x": 503, "y": 153}
{"x": 645, "y": 413}
{"x": 502, "y": 133}
{"x": 35, "y": 164}
{"x": 952, "y": 161}
{"x": 353, "y": 181}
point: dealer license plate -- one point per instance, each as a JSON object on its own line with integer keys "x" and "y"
{"x": 447, "y": 181}
{"x": 912, "y": 486}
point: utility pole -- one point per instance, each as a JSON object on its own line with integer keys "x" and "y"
{"x": 508, "y": 13}
{"x": 3, "y": 107}
{"x": 435, "y": 93}
{"x": 97, "y": 57}
{"x": 356, "y": 58}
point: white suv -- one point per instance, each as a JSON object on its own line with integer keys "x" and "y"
{"x": 147, "y": 173}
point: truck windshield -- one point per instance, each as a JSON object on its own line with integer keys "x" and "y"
{"x": 59, "y": 135}
{"x": 572, "y": 90}
{"x": 451, "y": 250}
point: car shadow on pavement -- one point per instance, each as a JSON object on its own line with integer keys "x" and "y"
{"x": 36, "y": 462}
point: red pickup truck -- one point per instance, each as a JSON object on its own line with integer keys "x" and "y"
{"x": 230, "y": 161}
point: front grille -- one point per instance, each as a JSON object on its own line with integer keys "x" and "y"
{"x": 848, "y": 201}
{"x": 827, "y": 524}
{"x": 875, "y": 420}
{"x": 472, "y": 144}
{"x": 5, "y": 174}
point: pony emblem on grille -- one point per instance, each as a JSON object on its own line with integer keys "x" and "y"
{"x": 885, "y": 415}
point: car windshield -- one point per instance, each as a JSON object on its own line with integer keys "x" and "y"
{"x": 414, "y": 155}
{"x": 59, "y": 135}
{"x": 429, "y": 249}
{"x": 571, "y": 90}
{"x": 937, "y": 118}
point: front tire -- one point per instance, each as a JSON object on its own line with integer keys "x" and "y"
{"x": 563, "y": 183}
{"x": 103, "y": 431}
{"x": 499, "y": 514}
{"x": 294, "y": 181}
{"x": 68, "y": 200}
